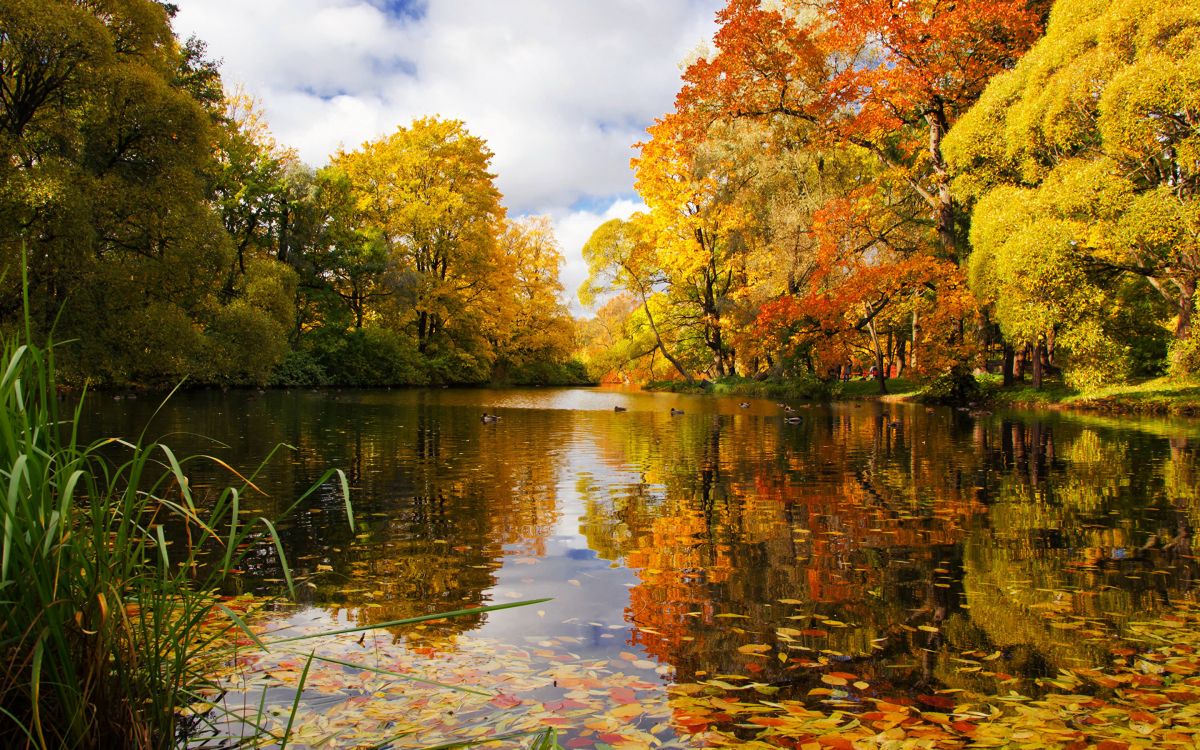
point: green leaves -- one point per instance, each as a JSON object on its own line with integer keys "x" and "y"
{"x": 1081, "y": 163}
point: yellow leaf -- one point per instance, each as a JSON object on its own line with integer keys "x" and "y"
{"x": 753, "y": 648}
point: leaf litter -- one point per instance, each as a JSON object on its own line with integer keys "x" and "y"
{"x": 421, "y": 689}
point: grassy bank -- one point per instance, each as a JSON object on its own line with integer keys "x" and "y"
{"x": 1154, "y": 396}
{"x": 105, "y": 624}
{"x": 810, "y": 389}
{"x": 898, "y": 388}
{"x": 802, "y": 388}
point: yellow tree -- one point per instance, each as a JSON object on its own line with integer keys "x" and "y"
{"x": 540, "y": 329}
{"x": 1083, "y": 161}
{"x": 622, "y": 256}
{"x": 692, "y": 189}
{"x": 426, "y": 195}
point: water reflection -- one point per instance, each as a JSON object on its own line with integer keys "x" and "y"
{"x": 918, "y": 549}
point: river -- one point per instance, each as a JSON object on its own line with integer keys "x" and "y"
{"x": 864, "y": 551}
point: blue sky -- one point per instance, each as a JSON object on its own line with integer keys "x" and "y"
{"x": 561, "y": 89}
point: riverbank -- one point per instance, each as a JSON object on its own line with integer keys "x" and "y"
{"x": 1164, "y": 396}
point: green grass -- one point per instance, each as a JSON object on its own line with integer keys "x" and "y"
{"x": 1164, "y": 395}
{"x": 858, "y": 388}
{"x": 800, "y": 388}
{"x": 810, "y": 389}
{"x": 104, "y": 623}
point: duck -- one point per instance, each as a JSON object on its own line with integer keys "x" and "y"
{"x": 489, "y": 418}
{"x": 793, "y": 420}
{"x": 744, "y": 405}
{"x": 619, "y": 408}
{"x": 788, "y": 408}
{"x": 894, "y": 424}
{"x": 675, "y": 411}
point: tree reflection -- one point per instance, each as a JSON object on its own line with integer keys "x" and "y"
{"x": 914, "y": 548}
{"x": 924, "y": 537}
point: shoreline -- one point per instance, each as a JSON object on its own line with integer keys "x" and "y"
{"x": 1161, "y": 396}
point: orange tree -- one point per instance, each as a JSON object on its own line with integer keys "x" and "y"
{"x": 887, "y": 80}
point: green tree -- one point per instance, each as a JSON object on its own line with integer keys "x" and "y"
{"x": 622, "y": 257}
{"x": 106, "y": 161}
{"x": 1083, "y": 164}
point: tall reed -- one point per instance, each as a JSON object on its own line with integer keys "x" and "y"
{"x": 102, "y": 619}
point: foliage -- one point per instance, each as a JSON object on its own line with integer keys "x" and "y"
{"x": 172, "y": 237}
{"x": 371, "y": 357}
{"x": 1184, "y": 356}
{"x": 300, "y": 368}
{"x": 955, "y": 387}
{"x": 105, "y": 155}
{"x": 572, "y": 372}
{"x": 1079, "y": 162}
{"x": 799, "y": 202}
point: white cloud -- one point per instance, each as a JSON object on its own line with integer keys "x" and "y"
{"x": 560, "y": 89}
{"x": 573, "y": 228}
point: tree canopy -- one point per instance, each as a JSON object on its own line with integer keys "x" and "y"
{"x": 169, "y": 236}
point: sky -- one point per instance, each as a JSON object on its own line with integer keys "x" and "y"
{"x": 560, "y": 89}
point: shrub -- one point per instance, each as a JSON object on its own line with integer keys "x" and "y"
{"x": 371, "y": 357}
{"x": 245, "y": 344}
{"x": 299, "y": 369}
{"x": 1185, "y": 356}
{"x": 958, "y": 386}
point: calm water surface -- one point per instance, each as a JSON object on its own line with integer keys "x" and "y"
{"x": 915, "y": 550}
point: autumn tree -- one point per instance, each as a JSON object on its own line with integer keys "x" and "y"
{"x": 692, "y": 190}
{"x": 538, "y": 331}
{"x": 1082, "y": 161}
{"x": 425, "y": 195}
{"x": 888, "y": 80}
{"x": 911, "y": 70}
{"x": 622, "y": 256}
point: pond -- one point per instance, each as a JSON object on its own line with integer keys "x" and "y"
{"x": 858, "y": 557}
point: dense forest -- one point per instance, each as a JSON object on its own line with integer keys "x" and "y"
{"x": 168, "y": 236}
{"x": 844, "y": 186}
{"x": 916, "y": 188}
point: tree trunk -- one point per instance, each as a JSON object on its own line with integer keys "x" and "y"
{"x": 983, "y": 331}
{"x": 1007, "y": 368}
{"x": 1187, "y": 309}
{"x": 875, "y": 345}
{"x": 943, "y": 211}
{"x": 1039, "y": 354}
{"x": 662, "y": 347}
{"x": 900, "y": 355}
{"x": 912, "y": 357}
